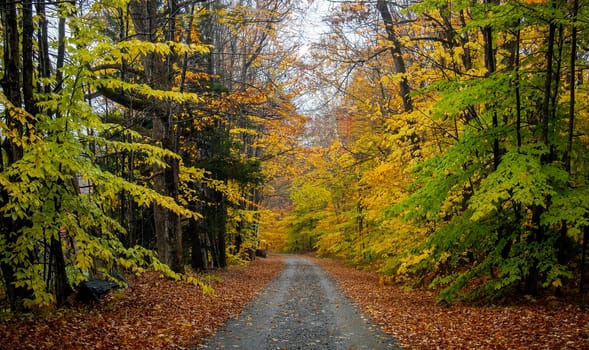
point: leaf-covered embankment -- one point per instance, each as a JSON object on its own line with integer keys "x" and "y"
{"x": 419, "y": 322}
{"x": 155, "y": 313}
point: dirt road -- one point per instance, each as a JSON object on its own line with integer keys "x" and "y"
{"x": 301, "y": 309}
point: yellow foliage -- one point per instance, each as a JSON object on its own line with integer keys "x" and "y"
{"x": 410, "y": 261}
{"x": 385, "y": 280}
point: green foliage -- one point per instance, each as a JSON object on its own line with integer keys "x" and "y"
{"x": 481, "y": 189}
{"x": 62, "y": 150}
{"x": 498, "y": 226}
{"x": 309, "y": 203}
{"x": 522, "y": 179}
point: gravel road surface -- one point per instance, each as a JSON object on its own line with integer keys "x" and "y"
{"x": 301, "y": 309}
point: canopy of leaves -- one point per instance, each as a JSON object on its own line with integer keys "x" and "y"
{"x": 118, "y": 135}
{"x": 474, "y": 180}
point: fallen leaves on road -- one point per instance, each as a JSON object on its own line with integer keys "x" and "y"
{"x": 155, "y": 313}
{"x": 418, "y": 322}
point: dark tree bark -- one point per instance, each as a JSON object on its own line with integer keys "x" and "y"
{"x": 582, "y": 280}
{"x": 518, "y": 104}
{"x": 214, "y": 226}
{"x": 11, "y": 152}
{"x": 571, "y": 129}
{"x": 44, "y": 62}
{"x": 540, "y": 230}
{"x": 58, "y": 282}
{"x": 491, "y": 64}
{"x": 545, "y": 112}
{"x": 28, "y": 31}
{"x": 572, "y": 86}
{"x": 199, "y": 254}
{"x": 397, "y": 54}
{"x": 144, "y": 14}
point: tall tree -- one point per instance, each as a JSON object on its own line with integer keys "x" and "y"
{"x": 13, "y": 120}
{"x": 243, "y": 100}
{"x": 158, "y": 75}
{"x": 490, "y": 184}
{"x": 56, "y": 196}
{"x": 160, "y": 64}
{"x": 395, "y": 48}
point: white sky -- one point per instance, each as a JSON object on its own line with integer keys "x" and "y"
{"x": 308, "y": 25}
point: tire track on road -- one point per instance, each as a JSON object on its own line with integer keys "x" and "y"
{"x": 301, "y": 309}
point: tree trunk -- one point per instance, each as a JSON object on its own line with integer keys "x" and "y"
{"x": 490, "y": 65}
{"x": 157, "y": 73}
{"x": 28, "y": 31}
{"x": 213, "y": 225}
{"x": 545, "y": 113}
{"x": 532, "y": 277}
{"x": 221, "y": 218}
{"x": 43, "y": 42}
{"x": 572, "y": 85}
{"x": 198, "y": 256}
{"x": 9, "y": 151}
{"x": 583, "y": 263}
{"x": 168, "y": 228}
{"x": 59, "y": 282}
{"x": 518, "y": 104}
{"x": 397, "y": 54}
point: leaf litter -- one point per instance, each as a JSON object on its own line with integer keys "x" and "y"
{"x": 418, "y": 321}
{"x": 154, "y": 313}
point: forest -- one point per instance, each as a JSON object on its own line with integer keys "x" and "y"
{"x": 442, "y": 144}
